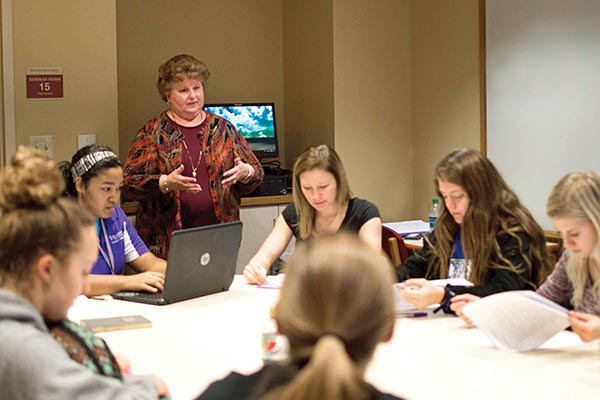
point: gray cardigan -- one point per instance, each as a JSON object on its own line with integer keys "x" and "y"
{"x": 34, "y": 366}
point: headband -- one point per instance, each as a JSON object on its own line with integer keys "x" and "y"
{"x": 85, "y": 163}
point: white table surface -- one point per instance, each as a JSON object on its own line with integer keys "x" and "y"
{"x": 195, "y": 342}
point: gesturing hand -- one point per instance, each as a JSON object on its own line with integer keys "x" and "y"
{"x": 240, "y": 172}
{"x": 177, "y": 181}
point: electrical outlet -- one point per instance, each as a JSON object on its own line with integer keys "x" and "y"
{"x": 43, "y": 143}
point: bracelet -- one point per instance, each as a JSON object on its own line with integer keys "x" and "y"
{"x": 445, "y": 303}
{"x": 164, "y": 183}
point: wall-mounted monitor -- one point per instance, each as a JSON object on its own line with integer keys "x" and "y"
{"x": 255, "y": 122}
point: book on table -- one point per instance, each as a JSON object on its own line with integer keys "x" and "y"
{"x": 116, "y": 323}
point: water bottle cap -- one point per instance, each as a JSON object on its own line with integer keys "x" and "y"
{"x": 436, "y": 201}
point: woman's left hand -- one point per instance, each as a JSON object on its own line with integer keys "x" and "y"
{"x": 421, "y": 293}
{"x": 240, "y": 172}
{"x": 586, "y": 326}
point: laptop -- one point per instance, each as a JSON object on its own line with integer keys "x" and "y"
{"x": 201, "y": 261}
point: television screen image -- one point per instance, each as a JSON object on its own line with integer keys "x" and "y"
{"x": 255, "y": 122}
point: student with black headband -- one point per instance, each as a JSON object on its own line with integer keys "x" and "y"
{"x": 94, "y": 177}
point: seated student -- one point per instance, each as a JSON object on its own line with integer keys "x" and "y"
{"x": 49, "y": 245}
{"x": 323, "y": 205}
{"x": 483, "y": 234}
{"x": 574, "y": 208}
{"x": 336, "y": 305}
{"x": 94, "y": 176}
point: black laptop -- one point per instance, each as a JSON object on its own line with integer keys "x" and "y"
{"x": 201, "y": 261}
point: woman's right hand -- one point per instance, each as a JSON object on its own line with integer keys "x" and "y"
{"x": 255, "y": 274}
{"x": 177, "y": 181}
{"x": 161, "y": 387}
{"x": 458, "y": 302}
{"x": 149, "y": 281}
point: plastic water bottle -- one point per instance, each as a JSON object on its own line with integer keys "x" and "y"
{"x": 434, "y": 211}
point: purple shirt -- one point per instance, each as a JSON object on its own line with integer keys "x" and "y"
{"x": 558, "y": 288}
{"x": 125, "y": 243}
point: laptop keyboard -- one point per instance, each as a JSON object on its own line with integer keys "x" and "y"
{"x": 144, "y": 295}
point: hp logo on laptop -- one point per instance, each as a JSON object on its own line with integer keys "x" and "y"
{"x": 204, "y": 259}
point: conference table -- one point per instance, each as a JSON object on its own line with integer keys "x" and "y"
{"x": 195, "y": 342}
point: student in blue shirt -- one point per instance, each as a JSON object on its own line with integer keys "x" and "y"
{"x": 483, "y": 234}
{"x": 95, "y": 176}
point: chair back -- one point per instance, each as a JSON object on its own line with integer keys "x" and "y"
{"x": 393, "y": 245}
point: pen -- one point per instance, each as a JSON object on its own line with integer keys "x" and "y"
{"x": 414, "y": 314}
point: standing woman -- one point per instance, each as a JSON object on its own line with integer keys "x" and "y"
{"x": 323, "y": 205}
{"x": 48, "y": 246}
{"x": 186, "y": 167}
{"x": 336, "y": 305}
{"x": 483, "y": 234}
{"x": 574, "y": 208}
{"x": 94, "y": 177}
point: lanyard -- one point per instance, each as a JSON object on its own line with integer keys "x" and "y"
{"x": 110, "y": 259}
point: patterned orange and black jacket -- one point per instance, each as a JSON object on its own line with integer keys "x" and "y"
{"x": 157, "y": 150}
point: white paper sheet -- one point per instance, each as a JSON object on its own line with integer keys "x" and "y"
{"x": 405, "y": 227}
{"x": 517, "y": 320}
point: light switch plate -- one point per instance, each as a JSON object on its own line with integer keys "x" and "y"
{"x": 44, "y": 143}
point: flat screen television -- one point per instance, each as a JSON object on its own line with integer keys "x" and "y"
{"x": 255, "y": 122}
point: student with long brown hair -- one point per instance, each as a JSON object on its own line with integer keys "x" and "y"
{"x": 574, "y": 208}
{"x": 49, "y": 245}
{"x": 336, "y": 305}
{"x": 483, "y": 234}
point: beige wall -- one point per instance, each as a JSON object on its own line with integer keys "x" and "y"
{"x": 80, "y": 36}
{"x": 445, "y": 87}
{"x": 393, "y": 85}
{"x": 308, "y": 72}
{"x": 240, "y": 41}
{"x": 373, "y": 101}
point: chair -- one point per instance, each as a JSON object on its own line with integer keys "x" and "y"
{"x": 393, "y": 245}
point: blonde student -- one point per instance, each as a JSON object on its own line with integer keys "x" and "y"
{"x": 323, "y": 205}
{"x": 336, "y": 305}
{"x": 483, "y": 234}
{"x": 49, "y": 245}
{"x": 574, "y": 208}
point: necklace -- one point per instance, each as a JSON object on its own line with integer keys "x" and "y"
{"x": 194, "y": 169}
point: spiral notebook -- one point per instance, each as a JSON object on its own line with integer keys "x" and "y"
{"x": 201, "y": 261}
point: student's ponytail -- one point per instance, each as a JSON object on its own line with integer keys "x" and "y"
{"x": 329, "y": 374}
{"x": 336, "y": 305}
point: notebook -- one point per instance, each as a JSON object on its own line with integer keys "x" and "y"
{"x": 201, "y": 261}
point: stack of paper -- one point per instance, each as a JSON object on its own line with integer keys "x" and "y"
{"x": 517, "y": 320}
{"x": 407, "y": 227}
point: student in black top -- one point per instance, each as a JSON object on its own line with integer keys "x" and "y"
{"x": 336, "y": 305}
{"x": 323, "y": 205}
{"x": 483, "y": 234}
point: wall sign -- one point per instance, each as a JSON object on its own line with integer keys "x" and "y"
{"x": 45, "y": 82}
